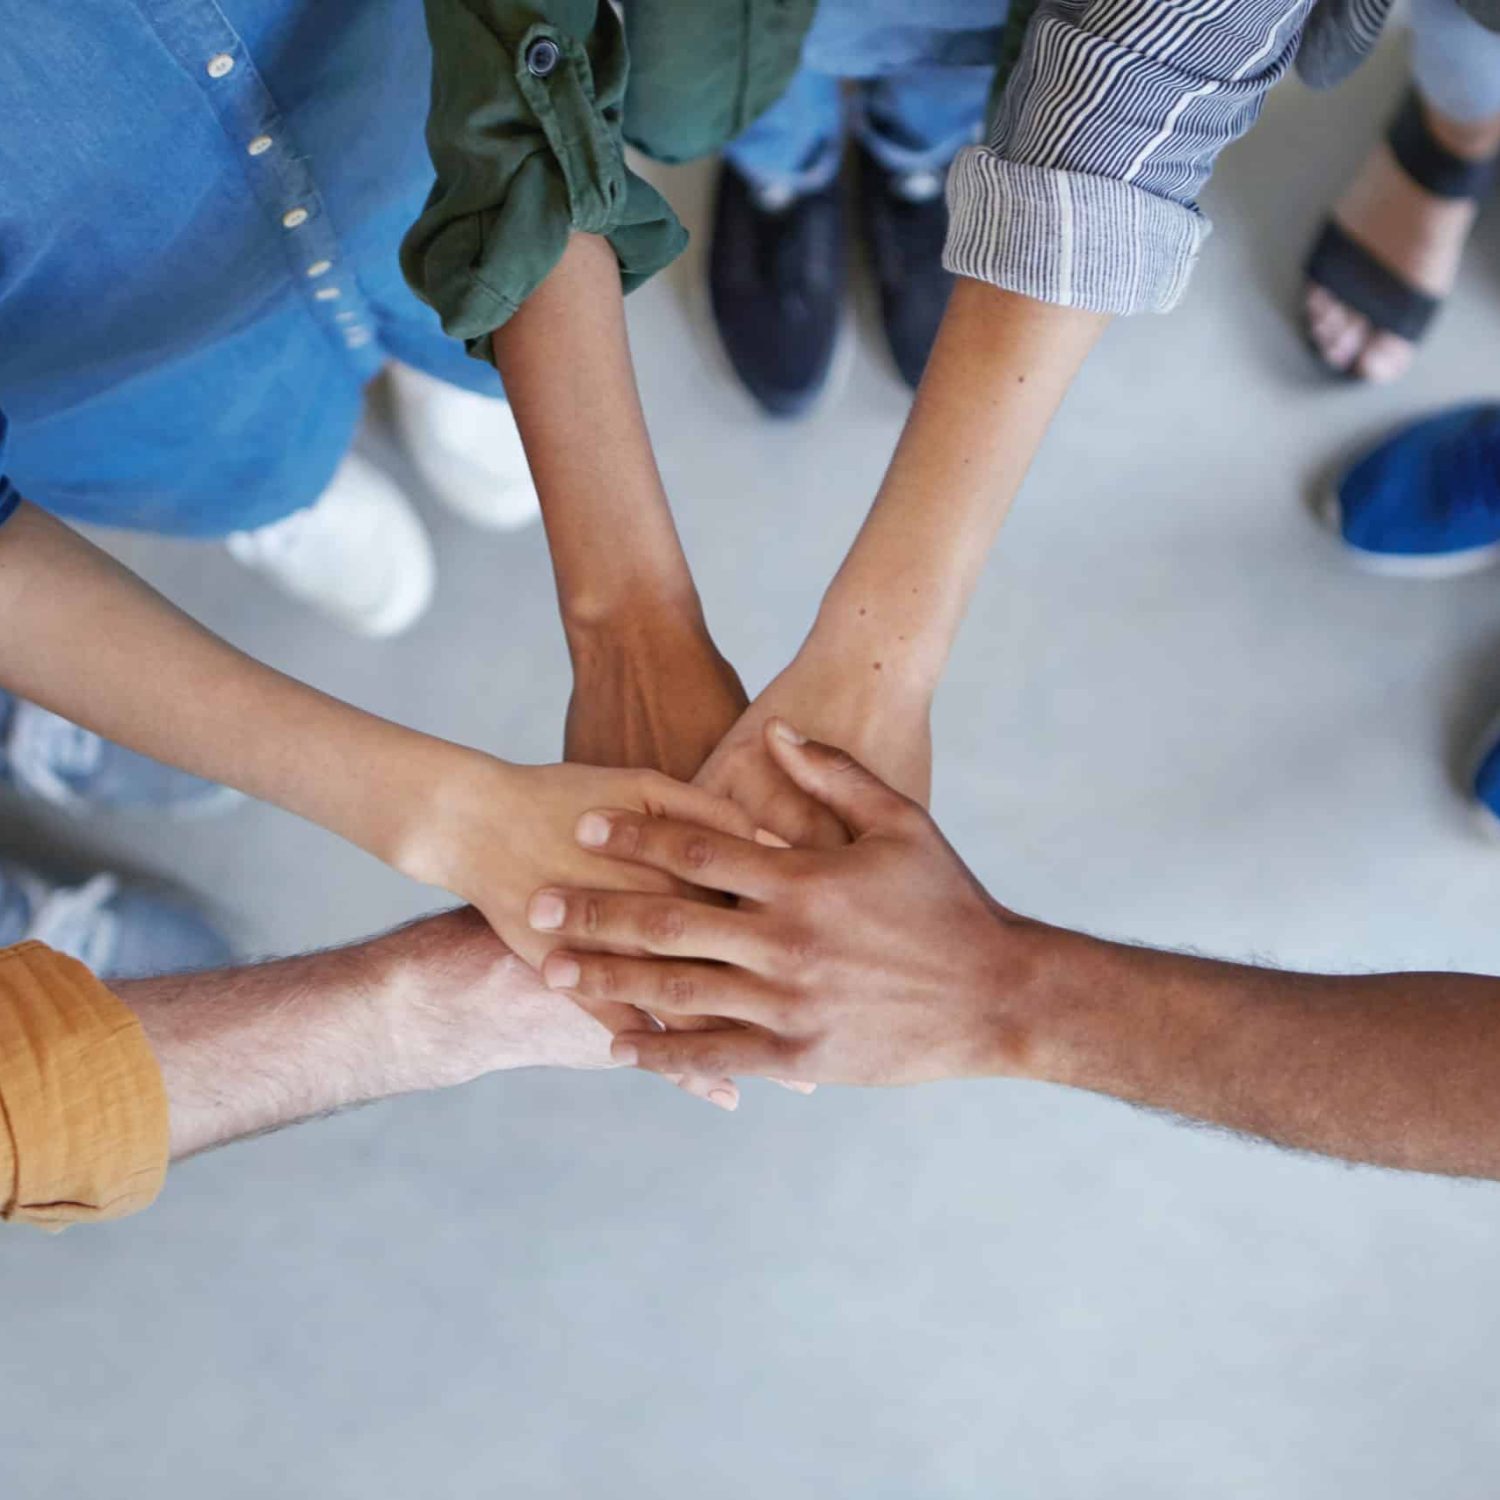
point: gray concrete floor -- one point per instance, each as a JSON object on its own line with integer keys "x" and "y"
{"x": 1173, "y": 716}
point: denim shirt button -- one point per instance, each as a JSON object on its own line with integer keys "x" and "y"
{"x": 542, "y": 57}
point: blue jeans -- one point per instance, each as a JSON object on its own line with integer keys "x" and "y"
{"x": 922, "y": 76}
{"x": 917, "y": 122}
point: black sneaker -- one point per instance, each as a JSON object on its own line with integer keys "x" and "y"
{"x": 776, "y": 277}
{"x": 905, "y": 220}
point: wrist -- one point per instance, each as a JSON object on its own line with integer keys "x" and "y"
{"x": 647, "y": 602}
{"x": 458, "y": 792}
{"x": 1104, "y": 1016}
{"x": 408, "y": 977}
{"x": 858, "y": 628}
{"x": 1054, "y": 998}
{"x": 451, "y": 1003}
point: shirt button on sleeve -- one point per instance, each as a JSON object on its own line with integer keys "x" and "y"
{"x": 220, "y": 64}
{"x": 542, "y": 57}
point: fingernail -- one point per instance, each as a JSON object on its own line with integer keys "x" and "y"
{"x": 784, "y": 731}
{"x": 546, "y": 911}
{"x": 560, "y": 972}
{"x": 592, "y": 830}
{"x": 725, "y": 1098}
{"x": 770, "y": 840}
{"x": 625, "y": 1054}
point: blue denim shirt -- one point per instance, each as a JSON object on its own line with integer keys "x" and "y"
{"x": 200, "y": 208}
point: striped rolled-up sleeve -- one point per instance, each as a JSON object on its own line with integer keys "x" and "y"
{"x": 1085, "y": 192}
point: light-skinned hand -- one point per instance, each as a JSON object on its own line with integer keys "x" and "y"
{"x": 839, "y": 697}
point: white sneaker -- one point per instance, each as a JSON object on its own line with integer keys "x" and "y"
{"x": 466, "y": 448}
{"x": 359, "y": 554}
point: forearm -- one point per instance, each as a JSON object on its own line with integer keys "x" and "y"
{"x": 96, "y": 645}
{"x": 565, "y": 360}
{"x": 1000, "y": 367}
{"x": 247, "y": 1050}
{"x": 1400, "y": 1070}
{"x": 429, "y": 1005}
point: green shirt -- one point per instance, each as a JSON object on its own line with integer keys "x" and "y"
{"x": 524, "y": 134}
{"x": 530, "y": 104}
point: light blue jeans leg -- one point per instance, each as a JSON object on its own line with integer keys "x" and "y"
{"x": 918, "y": 121}
{"x": 1455, "y": 61}
{"x": 795, "y": 147}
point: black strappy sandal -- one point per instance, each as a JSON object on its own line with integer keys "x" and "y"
{"x": 1341, "y": 265}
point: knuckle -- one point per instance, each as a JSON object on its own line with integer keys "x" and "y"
{"x": 605, "y": 980}
{"x": 779, "y": 1014}
{"x": 697, "y": 852}
{"x": 800, "y": 1057}
{"x": 590, "y": 916}
{"x": 677, "y": 990}
{"x": 654, "y": 1056}
{"x": 665, "y": 924}
{"x": 625, "y": 836}
{"x": 796, "y": 956}
{"x": 709, "y": 1058}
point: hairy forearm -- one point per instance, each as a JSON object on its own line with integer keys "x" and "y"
{"x": 565, "y": 360}
{"x": 1401, "y": 1070}
{"x": 435, "y": 1003}
{"x": 103, "y": 649}
{"x": 246, "y": 1050}
{"x": 1000, "y": 366}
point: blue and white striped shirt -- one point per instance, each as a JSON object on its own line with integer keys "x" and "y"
{"x": 1085, "y": 193}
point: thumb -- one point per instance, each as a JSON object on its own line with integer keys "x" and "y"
{"x": 854, "y": 794}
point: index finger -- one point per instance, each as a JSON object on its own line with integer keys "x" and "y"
{"x": 698, "y": 856}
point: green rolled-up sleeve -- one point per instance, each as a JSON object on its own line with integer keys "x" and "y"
{"x": 525, "y": 139}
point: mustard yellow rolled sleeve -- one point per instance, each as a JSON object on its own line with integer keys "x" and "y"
{"x": 83, "y": 1111}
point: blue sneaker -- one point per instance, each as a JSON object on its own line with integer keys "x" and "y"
{"x": 44, "y": 756}
{"x": 120, "y": 930}
{"x": 1425, "y": 503}
{"x": 1484, "y": 781}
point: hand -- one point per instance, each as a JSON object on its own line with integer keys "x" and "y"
{"x": 459, "y": 1004}
{"x": 838, "y": 696}
{"x": 881, "y": 962}
{"x": 500, "y": 831}
{"x": 653, "y": 695}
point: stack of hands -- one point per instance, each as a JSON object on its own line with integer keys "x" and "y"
{"x": 738, "y": 898}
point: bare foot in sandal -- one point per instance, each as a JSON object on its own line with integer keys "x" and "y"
{"x": 1391, "y": 250}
